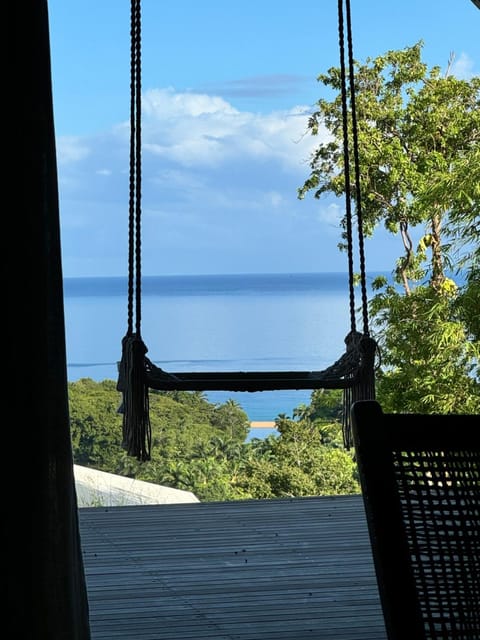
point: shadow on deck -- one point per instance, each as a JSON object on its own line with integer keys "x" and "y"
{"x": 248, "y": 570}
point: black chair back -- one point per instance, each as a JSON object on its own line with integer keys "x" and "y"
{"x": 420, "y": 479}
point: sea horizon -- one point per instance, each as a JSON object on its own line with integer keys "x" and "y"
{"x": 189, "y": 283}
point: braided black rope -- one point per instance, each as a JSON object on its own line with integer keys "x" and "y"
{"x": 132, "y": 168}
{"x": 137, "y": 82}
{"x": 361, "y": 247}
{"x": 132, "y": 381}
{"x": 363, "y": 386}
{"x": 346, "y": 162}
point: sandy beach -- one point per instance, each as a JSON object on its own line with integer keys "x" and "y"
{"x": 262, "y": 424}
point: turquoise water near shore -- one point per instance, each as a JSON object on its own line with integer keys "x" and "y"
{"x": 251, "y": 322}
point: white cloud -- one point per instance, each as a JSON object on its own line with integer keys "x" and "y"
{"x": 188, "y": 130}
{"x": 331, "y": 215}
{"x": 463, "y": 67}
{"x": 210, "y": 175}
{"x": 71, "y": 149}
{"x": 196, "y": 129}
{"x": 166, "y": 104}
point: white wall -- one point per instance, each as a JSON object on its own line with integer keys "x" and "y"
{"x": 100, "y": 489}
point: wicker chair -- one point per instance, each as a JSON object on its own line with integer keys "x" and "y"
{"x": 420, "y": 479}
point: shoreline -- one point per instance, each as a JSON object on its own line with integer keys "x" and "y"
{"x": 262, "y": 424}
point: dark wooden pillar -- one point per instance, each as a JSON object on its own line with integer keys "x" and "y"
{"x": 46, "y": 584}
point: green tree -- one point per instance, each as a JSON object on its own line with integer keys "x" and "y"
{"x": 429, "y": 364}
{"x": 197, "y": 445}
{"x": 232, "y": 419}
{"x": 298, "y": 463}
{"x": 418, "y": 146}
{"x": 195, "y": 450}
{"x": 326, "y": 407}
{"x": 95, "y": 423}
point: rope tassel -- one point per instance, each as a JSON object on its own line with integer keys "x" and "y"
{"x": 137, "y": 432}
{"x": 363, "y": 387}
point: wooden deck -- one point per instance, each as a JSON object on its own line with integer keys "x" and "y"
{"x": 254, "y": 570}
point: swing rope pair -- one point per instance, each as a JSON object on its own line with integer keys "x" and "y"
{"x": 354, "y": 371}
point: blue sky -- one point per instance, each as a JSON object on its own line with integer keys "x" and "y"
{"x": 226, "y": 91}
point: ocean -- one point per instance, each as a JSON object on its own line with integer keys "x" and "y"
{"x": 251, "y": 322}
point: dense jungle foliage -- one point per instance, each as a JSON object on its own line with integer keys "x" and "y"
{"x": 201, "y": 447}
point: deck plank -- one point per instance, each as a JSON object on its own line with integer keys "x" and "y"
{"x": 284, "y": 569}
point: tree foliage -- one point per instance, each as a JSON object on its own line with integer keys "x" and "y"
{"x": 419, "y": 151}
{"x": 201, "y": 447}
